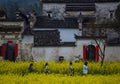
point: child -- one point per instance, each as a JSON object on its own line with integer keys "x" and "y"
{"x": 71, "y": 69}
{"x": 85, "y": 68}
{"x": 47, "y": 71}
{"x": 31, "y": 68}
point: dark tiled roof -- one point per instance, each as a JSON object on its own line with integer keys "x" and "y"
{"x": 68, "y": 44}
{"x": 114, "y": 44}
{"x": 46, "y": 37}
{"x": 89, "y": 37}
{"x": 106, "y": 1}
{"x": 67, "y": 1}
{"x": 80, "y": 4}
{"x": 77, "y": 1}
{"x": 49, "y": 23}
{"x": 96, "y": 25}
{"x": 80, "y": 7}
{"x": 63, "y": 44}
{"x": 53, "y": 1}
{"x": 11, "y": 20}
{"x": 10, "y": 28}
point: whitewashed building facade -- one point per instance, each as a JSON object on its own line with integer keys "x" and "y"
{"x": 64, "y": 29}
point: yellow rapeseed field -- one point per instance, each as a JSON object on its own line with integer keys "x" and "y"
{"x": 17, "y": 73}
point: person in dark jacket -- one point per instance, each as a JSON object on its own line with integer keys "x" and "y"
{"x": 31, "y": 68}
{"x": 71, "y": 69}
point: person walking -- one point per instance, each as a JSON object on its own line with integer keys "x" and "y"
{"x": 31, "y": 68}
{"x": 47, "y": 71}
{"x": 71, "y": 69}
{"x": 85, "y": 68}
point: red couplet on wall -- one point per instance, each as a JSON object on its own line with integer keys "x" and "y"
{"x": 97, "y": 53}
{"x": 3, "y": 50}
{"x": 16, "y": 50}
{"x": 84, "y": 52}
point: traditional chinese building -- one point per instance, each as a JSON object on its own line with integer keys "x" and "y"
{"x": 65, "y": 29}
{"x": 10, "y": 38}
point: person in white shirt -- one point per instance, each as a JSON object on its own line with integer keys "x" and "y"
{"x": 85, "y": 68}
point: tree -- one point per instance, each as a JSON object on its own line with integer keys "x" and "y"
{"x": 102, "y": 42}
{"x": 116, "y": 23}
{"x": 117, "y": 13}
{"x": 99, "y": 39}
{"x": 111, "y": 25}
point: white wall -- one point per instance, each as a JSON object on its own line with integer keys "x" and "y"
{"x": 26, "y": 47}
{"x": 112, "y": 53}
{"x": 57, "y": 10}
{"x": 28, "y": 39}
{"x": 52, "y": 53}
{"x": 102, "y": 10}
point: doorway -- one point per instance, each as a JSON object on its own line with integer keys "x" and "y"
{"x": 10, "y": 51}
{"x": 91, "y": 53}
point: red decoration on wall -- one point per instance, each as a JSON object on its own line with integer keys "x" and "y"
{"x": 97, "y": 53}
{"x": 84, "y": 52}
{"x": 9, "y": 41}
{"x": 3, "y": 50}
{"x": 16, "y": 50}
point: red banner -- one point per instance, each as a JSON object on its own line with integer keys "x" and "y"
{"x": 3, "y": 50}
{"x": 84, "y": 53}
{"x": 16, "y": 50}
{"x": 97, "y": 53}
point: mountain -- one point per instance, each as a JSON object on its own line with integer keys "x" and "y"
{"x": 10, "y": 6}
